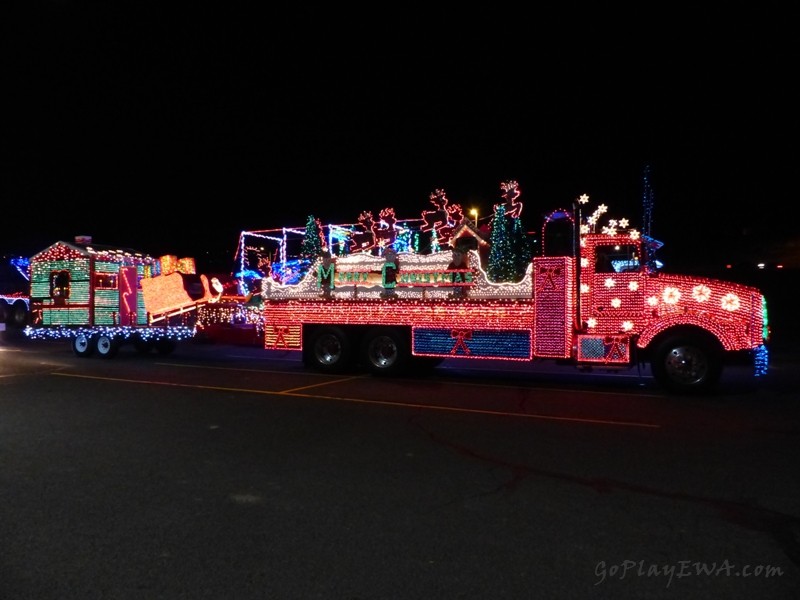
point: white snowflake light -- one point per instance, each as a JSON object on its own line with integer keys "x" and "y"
{"x": 671, "y": 295}
{"x": 701, "y": 293}
{"x": 731, "y": 302}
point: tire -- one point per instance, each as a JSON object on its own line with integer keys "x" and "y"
{"x": 165, "y": 346}
{"x": 687, "y": 364}
{"x": 329, "y": 350}
{"x": 83, "y": 345}
{"x": 385, "y": 351}
{"x": 17, "y": 315}
{"x": 106, "y": 346}
{"x": 143, "y": 346}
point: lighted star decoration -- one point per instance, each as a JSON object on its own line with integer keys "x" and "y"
{"x": 614, "y": 225}
{"x": 701, "y": 293}
{"x": 609, "y": 230}
{"x": 616, "y": 303}
{"x": 671, "y": 295}
{"x": 627, "y": 326}
{"x": 591, "y": 322}
{"x": 730, "y": 302}
{"x": 609, "y": 282}
{"x": 633, "y": 286}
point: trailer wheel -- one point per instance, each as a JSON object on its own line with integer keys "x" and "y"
{"x": 83, "y": 345}
{"x": 165, "y": 346}
{"x": 143, "y": 346}
{"x": 17, "y": 315}
{"x": 687, "y": 364}
{"x": 329, "y": 350}
{"x": 106, "y": 346}
{"x": 384, "y": 351}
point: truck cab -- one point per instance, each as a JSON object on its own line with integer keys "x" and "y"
{"x": 686, "y": 327}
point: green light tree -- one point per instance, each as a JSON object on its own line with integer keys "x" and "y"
{"x": 502, "y": 261}
{"x": 312, "y": 246}
{"x": 522, "y": 248}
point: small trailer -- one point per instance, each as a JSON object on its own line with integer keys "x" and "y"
{"x": 102, "y": 297}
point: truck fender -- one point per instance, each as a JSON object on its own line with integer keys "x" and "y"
{"x": 655, "y": 329}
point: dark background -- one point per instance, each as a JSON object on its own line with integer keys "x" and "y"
{"x": 170, "y": 131}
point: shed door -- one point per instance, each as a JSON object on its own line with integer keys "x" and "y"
{"x": 128, "y": 308}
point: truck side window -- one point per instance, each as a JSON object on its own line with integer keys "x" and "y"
{"x": 603, "y": 260}
{"x": 59, "y": 284}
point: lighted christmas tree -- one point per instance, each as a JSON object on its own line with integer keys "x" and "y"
{"x": 502, "y": 261}
{"x": 312, "y": 246}
{"x": 521, "y": 248}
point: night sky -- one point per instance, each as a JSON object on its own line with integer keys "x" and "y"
{"x": 172, "y": 132}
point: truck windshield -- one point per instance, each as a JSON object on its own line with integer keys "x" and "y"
{"x": 618, "y": 258}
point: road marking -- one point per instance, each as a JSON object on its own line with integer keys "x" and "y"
{"x": 293, "y": 394}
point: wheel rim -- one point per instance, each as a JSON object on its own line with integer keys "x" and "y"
{"x": 328, "y": 350}
{"x": 382, "y": 352}
{"x": 82, "y": 343}
{"x": 105, "y": 344}
{"x": 687, "y": 365}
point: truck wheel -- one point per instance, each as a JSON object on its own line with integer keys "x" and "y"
{"x": 329, "y": 350}
{"x": 106, "y": 346}
{"x": 384, "y": 351}
{"x": 687, "y": 364}
{"x": 83, "y": 345}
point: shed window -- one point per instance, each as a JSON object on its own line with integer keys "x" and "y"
{"x": 59, "y": 284}
{"x": 105, "y": 281}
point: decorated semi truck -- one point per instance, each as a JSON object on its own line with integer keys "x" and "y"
{"x": 391, "y": 296}
{"x": 582, "y": 293}
{"x": 101, "y": 297}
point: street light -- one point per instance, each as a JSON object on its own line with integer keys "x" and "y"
{"x": 474, "y": 213}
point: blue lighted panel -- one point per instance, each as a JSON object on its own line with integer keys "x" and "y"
{"x": 475, "y": 343}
